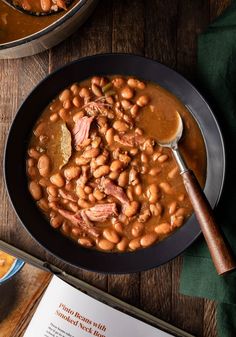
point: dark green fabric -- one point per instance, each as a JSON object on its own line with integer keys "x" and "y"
{"x": 217, "y": 79}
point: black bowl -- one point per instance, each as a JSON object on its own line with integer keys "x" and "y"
{"x": 15, "y": 154}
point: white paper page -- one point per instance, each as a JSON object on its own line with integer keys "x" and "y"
{"x": 65, "y": 311}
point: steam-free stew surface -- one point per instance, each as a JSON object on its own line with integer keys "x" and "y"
{"x": 95, "y": 168}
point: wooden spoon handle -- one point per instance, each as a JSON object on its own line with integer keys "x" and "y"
{"x": 220, "y": 253}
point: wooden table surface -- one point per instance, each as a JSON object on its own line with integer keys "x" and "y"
{"x": 165, "y": 31}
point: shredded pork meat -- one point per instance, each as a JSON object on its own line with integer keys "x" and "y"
{"x": 81, "y": 130}
{"x": 117, "y": 192}
{"x": 101, "y": 212}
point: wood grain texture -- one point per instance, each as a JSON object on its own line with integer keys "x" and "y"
{"x": 193, "y": 17}
{"x": 167, "y": 32}
{"x": 209, "y": 320}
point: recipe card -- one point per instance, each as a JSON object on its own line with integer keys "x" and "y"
{"x": 64, "y": 311}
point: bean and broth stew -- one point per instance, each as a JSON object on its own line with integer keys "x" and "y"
{"x": 96, "y": 171}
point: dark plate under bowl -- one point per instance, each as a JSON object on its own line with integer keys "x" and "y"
{"x": 15, "y": 155}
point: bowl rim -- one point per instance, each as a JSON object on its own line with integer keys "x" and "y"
{"x": 45, "y": 30}
{"x": 197, "y": 230}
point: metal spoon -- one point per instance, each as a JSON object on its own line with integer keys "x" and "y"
{"x": 220, "y": 253}
{"x": 18, "y": 8}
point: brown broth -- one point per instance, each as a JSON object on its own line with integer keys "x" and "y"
{"x": 155, "y": 167}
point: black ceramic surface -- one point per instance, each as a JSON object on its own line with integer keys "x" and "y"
{"x": 15, "y": 154}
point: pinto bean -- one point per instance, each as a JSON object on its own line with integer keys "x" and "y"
{"x": 83, "y": 203}
{"x": 35, "y": 190}
{"x": 148, "y": 239}
{"x": 123, "y": 179}
{"x": 163, "y": 228}
{"x": 134, "y": 110}
{"x": 86, "y": 242}
{"x": 123, "y": 244}
{"x": 163, "y": 158}
{"x": 84, "y": 93}
{"x": 80, "y": 161}
{"x": 120, "y": 126}
{"x": 77, "y": 102}
{"x": 136, "y": 84}
{"x": 137, "y": 229}
{"x": 66, "y": 228}
{"x": 30, "y": 162}
{"x": 126, "y": 105}
{"x": 57, "y": 179}
{"x": 181, "y": 197}
{"x": 132, "y": 209}
{"x": 124, "y": 158}
{"x": 63, "y": 114}
{"x": 101, "y": 160}
{"x": 66, "y": 94}
{"x": 135, "y": 244}
{"x": 45, "y": 5}
{"x": 152, "y": 193}
{"x": 80, "y": 192}
{"x": 43, "y": 204}
{"x": 44, "y": 182}
{"x": 138, "y": 190}
{"x": 177, "y": 221}
{"x": 91, "y": 197}
{"x": 173, "y": 173}
{"x": 52, "y": 190}
{"x": 129, "y": 193}
{"x": 44, "y": 165}
{"x": 142, "y": 100}
{"x": 118, "y": 226}
{"x": 72, "y": 172}
{"x": 116, "y": 165}
{"x": 172, "y": 207}
{"x": 111, "y": 235}
{"x": 54, "y": 117}
{"x": 88, "y": 189}
{"x": 144, "y": 158}
{"x": 114, "y": 175}
{"x": 154, "y": 171}
{"x": 56, "y": 221}
{"x": 105, "y": 245}
{"x": 166, "y": 188}
{"x": 118, "y": 82}
{"x": 101, "y": 171}
{"x": 92, "y": 153}
{"x": 127, "y": 92}
{"x": 98, "y": 195}
{"x": 109, "y": 136}
{"x": 180, "y": 211}
{"x": 75, "y": 89}
{"x": 32, "y": 172}
{"x": 156, "y": 209}
{"x": 156, "y": 155}
{"x": 96, "y": 90}
{"x": 67, "y": 104}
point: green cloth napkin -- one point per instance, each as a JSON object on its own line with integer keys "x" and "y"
{"x": 217, "y": 79}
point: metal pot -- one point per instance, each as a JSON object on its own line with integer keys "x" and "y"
{"x": 51, "y": 35}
